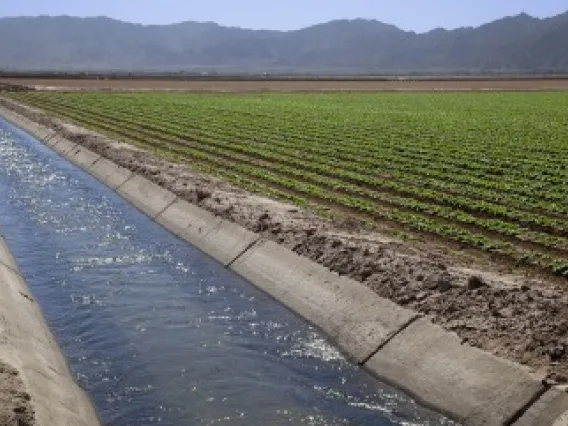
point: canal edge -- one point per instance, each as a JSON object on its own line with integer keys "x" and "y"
{"x": 392, "y": 343}
{"x": 28, "y": 347}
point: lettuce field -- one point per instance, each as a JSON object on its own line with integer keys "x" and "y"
{"x": 486, "y": 170}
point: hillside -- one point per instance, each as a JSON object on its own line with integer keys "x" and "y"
{"x": 513, "y": 44}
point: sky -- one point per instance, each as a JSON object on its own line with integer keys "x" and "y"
{"x": 415, "y": 15}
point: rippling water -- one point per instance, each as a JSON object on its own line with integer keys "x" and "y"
{"x": 157, "y": 332}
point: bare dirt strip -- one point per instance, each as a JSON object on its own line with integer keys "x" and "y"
{"x": 363, "y": 85}
{"x": 522, "y": 319}
{"x": 15, "y": 403}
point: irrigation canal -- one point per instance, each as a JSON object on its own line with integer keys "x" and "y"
{"x": 154, "y": 330}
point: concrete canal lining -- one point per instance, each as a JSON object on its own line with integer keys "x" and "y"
{"x": 438, "y": 370}
{"x": 27, "y": 346}
{"x": 396, "y": 345}
{"x": 352, "y": 315}
{"x": 188, "y": 221}
{"x": 82, "y": 157}
{"x": 549, "y": 409}
{"x": 108, "y": 172}
{"x": 146, "y": 196}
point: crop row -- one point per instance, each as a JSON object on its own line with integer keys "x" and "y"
{"x": 383, "y": 148}
{"x": 414, "y": 170}
{"x": 352, "y": 176}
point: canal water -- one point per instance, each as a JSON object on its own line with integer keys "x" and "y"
{"x": 157, "y": 332}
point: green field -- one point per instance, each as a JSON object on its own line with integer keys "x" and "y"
{"x": 486, "y": 170}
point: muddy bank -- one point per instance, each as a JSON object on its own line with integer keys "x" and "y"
{"x": 516, "y": 318}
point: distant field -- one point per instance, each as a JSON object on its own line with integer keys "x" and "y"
{"x": 486, "y": 170}
{"x": 296, "y": 84}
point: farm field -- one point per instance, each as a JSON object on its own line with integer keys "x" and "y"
{"x": 487, "y": 171}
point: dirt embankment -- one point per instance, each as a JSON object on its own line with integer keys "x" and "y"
{"x": 15, "y": 405}
{"x": 295, "y": 85}
{"x": 524, "y": 320}
{"x": 10, "y": 87}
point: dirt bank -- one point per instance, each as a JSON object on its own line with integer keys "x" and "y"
{"x": 15, "y": 406}
{"x": 292, "y": 85}
{"x": 525, "y": 320}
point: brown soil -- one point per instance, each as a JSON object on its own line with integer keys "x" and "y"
{"x": 291, "y": 86}
{"x": 15, "y": 406}
{"x": 522, "y": 319}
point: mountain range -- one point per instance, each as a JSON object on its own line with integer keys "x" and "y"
{"x": 514, "y": 44}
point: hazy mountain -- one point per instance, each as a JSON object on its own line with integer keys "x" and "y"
{"x": 512, "y": 44}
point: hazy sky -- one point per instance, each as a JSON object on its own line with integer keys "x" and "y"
{"x": 417, "y": 15}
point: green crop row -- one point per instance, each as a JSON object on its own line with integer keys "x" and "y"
{"x": 449, "y": 191}
{"x": 198, "y": 121}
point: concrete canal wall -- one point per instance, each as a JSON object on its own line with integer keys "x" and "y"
{"x": 36, "y": 385}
